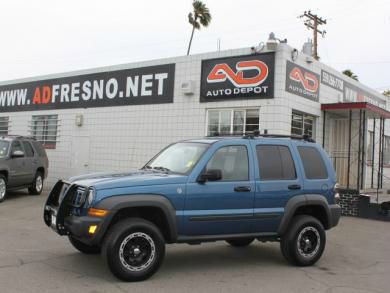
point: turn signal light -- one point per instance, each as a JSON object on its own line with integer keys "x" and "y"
{"x": 92, "y": 229}
{"x": 96, "y": 212}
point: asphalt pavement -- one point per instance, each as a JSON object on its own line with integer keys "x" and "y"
{"x": 35, "y": 259}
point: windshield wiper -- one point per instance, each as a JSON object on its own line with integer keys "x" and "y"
{"x": 160, "y": 168}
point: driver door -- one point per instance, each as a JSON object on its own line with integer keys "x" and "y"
{"x": 17, "y": 166}
{"x": 224, "y": 206}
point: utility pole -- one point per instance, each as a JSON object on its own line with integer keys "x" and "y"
{"x": 312, "y": 21}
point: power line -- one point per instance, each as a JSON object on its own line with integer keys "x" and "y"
{"x": 312, "y": 21}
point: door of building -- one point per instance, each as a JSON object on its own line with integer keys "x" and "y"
{"x": 80, "y": 155}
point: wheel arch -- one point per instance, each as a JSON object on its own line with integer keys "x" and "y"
{"x": 152, "y": 207}
{"x": 308, "y": 204}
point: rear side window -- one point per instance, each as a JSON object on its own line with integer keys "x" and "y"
{"x": 275, "y": 162}
{"x": 28, "y": 149}
{"x": 312, "y": 163}
{"x": 39, "y": 148}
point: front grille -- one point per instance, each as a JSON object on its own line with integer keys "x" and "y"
{"x": 79, "y": 197}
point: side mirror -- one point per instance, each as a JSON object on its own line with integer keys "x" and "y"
{"x": 210, "y": 175}
{"x": 17, "y": 154}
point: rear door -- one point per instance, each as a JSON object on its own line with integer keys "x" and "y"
{"x": 224, "y": 206}
{"x": 278, "y": 178}
{"x": 31, "y": 162}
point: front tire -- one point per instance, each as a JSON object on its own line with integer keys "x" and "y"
{"x": 3, "y": 187}
{"x": 37, "y": 186}
{"x": 84, "y": 248}
{"x": 304, "y": 242}
{"x": 133, "y": 249}
{"x": 240, "y": 242}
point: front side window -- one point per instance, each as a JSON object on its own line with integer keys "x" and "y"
{"x": 178, "y": 158}
{"x": 232, "y": 161}
{"x": 302, "y": 124}
{"x": 4, "y": 146}
{"x": 16, "y": 146}
{"x": 313, "y": 163}
{"x": 44, "y": 129}
{"x": 275, "y": 162}
{"x": 232, "y": 121}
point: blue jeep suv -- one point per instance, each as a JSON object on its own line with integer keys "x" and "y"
{"x": 224, "y": 188}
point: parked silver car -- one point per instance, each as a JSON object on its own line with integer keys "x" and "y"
{"x": 23, "y": 164}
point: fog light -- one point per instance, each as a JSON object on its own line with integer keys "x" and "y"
{"x": 92, "y": 229}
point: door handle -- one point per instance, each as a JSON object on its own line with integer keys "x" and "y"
{"x": 242, "y": 189}
{"x": 294, "y": 187}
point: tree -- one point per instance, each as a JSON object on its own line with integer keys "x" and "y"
{"x": 199, "y": 17}
{"x": 348, "y": 72}
{"x": 386, "y": 93}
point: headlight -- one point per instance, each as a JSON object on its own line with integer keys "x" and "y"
{"x": 90, "y": 197}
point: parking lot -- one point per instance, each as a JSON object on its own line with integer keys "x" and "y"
{"x": 34, "y": 259}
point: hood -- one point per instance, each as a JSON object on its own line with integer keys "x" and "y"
{"x": 127, "y": 179}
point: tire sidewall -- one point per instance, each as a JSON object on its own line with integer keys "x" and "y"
{"x": 301, "y": 223}
{"x": 115, "y": 238}
{"x": 2, "y": 177}
{"x": 34, "y": 186}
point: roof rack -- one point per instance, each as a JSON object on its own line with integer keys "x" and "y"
{"x": 18, "y": 136}
{"x": 256, "y": 133}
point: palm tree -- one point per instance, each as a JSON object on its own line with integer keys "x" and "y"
{"x": 199, "y": 17}
{"x": 348, "y": 72}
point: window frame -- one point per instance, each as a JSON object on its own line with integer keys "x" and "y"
{"x": 291, "y": 156}
{"x": 303, "y": 120}
{"x": 224, "y": 146}
{"x": 25, "y": 149}
{"x": 232, "y": 110}
{"x": 4, "y": 125}
{"x": 45, "y": 136}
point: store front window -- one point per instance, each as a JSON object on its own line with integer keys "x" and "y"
{"x": 302, "y": 124}
{"x": 232, "y": 121}
{"x": 44, "y": 129}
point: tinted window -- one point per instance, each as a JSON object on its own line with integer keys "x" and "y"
{"x": 16, "y": 146}
{"x": 312, "y": 163}
{"x": 28, "y": 149}
{"x": 275, "y": 162}
{"x": 39, "y": 148}
{"x": 232, "y": 161}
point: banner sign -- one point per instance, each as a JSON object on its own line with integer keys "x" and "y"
{"x": 302, "y": 82}
{"x": 332, "y": 81}
{"x": 137, "y": 86}
{"x": 354, "y": 94}
{"x": 242, "y": 77}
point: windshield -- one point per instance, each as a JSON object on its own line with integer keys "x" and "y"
{"x": 178, "y": 158}
{"x": 4, "y": 145}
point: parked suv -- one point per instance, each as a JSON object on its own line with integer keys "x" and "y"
{"x": 23, "y": 164}
{"x": 233, "y": 189}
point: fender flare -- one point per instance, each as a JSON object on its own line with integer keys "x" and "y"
{"x": 118, "y": 202}
{"x": 303, "y": 200}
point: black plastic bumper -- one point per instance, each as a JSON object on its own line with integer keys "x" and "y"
{"x": 78, "y": 227}
{"x": 335, "y": 214}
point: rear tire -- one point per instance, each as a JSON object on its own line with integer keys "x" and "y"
{"x": 37, "y": 186}
{"x": 3, "y": 187}
{"x": 133, "y": 249}
{"x": 240, "y": 242}
{"x": 82, "y": 247}
{"x": 304, "y": 242}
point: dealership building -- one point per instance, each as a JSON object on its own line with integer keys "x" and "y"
{"x": 116, "y": 118}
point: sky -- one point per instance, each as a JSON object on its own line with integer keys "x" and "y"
{"x": 45, "y": 36}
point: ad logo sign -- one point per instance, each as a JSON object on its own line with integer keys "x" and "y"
{"x": 302, "y": 82}
{"x": 243, "y": 77}
{"x": 136, "y": 86}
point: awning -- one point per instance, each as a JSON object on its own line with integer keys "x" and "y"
{"x": 371, "y": 110}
